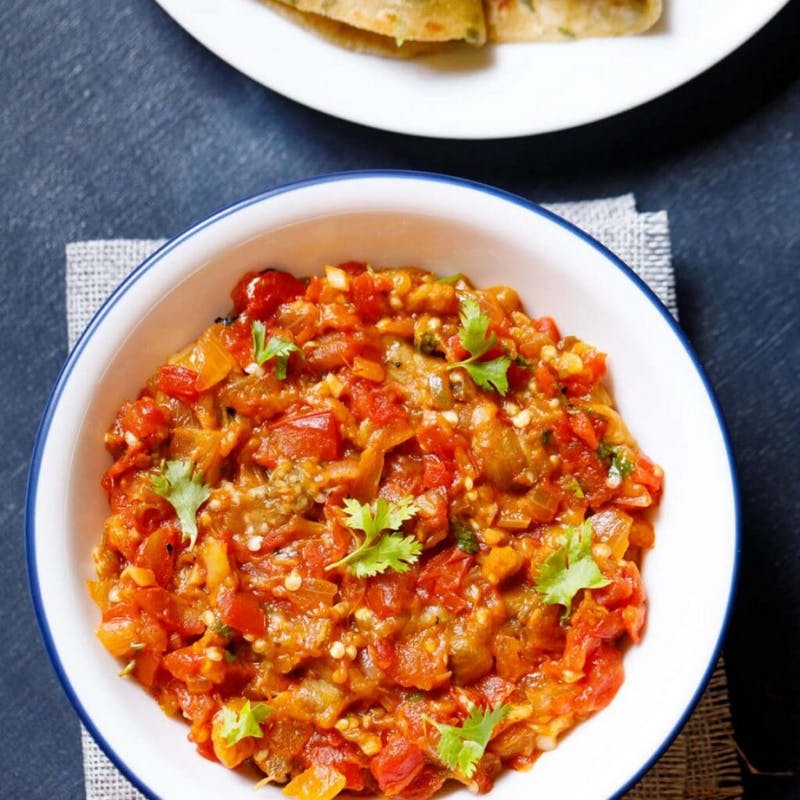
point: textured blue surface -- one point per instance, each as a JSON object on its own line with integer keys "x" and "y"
{"x": 115, "y": 123}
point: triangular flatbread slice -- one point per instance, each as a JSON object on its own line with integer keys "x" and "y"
{"x": 356, "y": 39}
{"x": 405, "y": 20}
{"x": 548, "y": 20}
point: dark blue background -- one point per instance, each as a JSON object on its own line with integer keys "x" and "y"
{"x": 114, "y": 123}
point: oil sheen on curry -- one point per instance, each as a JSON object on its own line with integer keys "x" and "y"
{"x": 375, "y": 531}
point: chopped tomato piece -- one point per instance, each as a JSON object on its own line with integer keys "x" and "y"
{"x": 314, "y": 289}
{"x": 589, "y": 470}
{"x": 434, "y": 521}
{"x": 335, "y": 349}
{"x": 134, "y": 458}
{"x": 121, "y": 611}
{"x": 206, "y": 749}
{"x": 426, "y": 783}
{"x": 495, "y": 690}
{"x": 438, "y": 472}
{"x": 397, "y": 764}
{"x": 123, "y": 536}
{"x": 582, "y": 426}
{"x": 434, "y": 440}
{"x": 178, "y": 382}
{"x": 151, "y": 633}
{"x": 238, "y": 340}
{"x": 642, "y": 534}
{"x": 594, "y": 368}
{"x": 487, "y": 771}
{"x": 518, "y": 375}
{"x": 317, "y": 554}
{"x": 441, "y": 578}
{"x": 196, "y": 706}
{"x": 381, "y": 404}
{"x": 157, "y": 552}
{"x": 547, "y": 326}
{"x": 242, "y": 611}
{"x": 300, "y": 318}
{"x": 382, "y": 654}
{"x": 184, "y": 663}
{"x": 626, "y": 595}
{"x": 173, "y": 611}
{"x": 604, "y": 676}
{"x": 454, "y": 350}
{"x": 624, "y": 589}
{"x": 331, "y": 749}
{"x": 279, "y": 537}
{"x": 390, "y": 593}
{"x": 648, "y": 474}
{"x": 546, "y": 380}
{"x": 314, "y": 435}
{"x": 143, "y": 418}
{"x": 258, "y": 294}
{"x": 147, "y": 664}
{"x": 369, "y": 295}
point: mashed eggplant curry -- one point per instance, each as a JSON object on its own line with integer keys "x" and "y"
{"x": 375, "y": 531}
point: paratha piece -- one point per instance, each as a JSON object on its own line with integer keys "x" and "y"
{"x": 405, "y": 20}
{"x": 356, "y": 39}
{"x": 553, "y": 20}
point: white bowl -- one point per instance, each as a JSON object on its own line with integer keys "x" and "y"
{"x": 448, "y": 226}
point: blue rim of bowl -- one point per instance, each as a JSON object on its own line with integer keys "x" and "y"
{"x": 228, "y": 210}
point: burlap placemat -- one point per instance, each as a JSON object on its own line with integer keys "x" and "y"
{"x": 701, "y": 764}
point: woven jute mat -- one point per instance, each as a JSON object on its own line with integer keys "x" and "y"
{"x": 701, "y": 763}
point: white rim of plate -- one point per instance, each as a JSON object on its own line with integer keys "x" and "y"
{"x": 450, "y": 96}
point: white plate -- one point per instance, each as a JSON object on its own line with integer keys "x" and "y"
{"x": 493, "y": 92}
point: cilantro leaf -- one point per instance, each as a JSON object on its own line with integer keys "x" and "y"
{"x": 569, "y": 569}
{"x": 247, "y": 722}
{"x": 474, "y": 326}
{"x": 387, "y": 515}
{"x": 621, "y": 467}
{"x": 604, "y": 451}
{"x": 378, "y": 553}
{"x": 523, "y": 362}
{"x": 451, "y": 278}
{"x": 490, "y": 374}
{"x": 464, "y": 536}
{"x": 461, "y": 747}
{"x": 277, "y": 348}
{"x": 472, "y": 334}
{"x": 574, "y": 486}
{"x": 392, "y": 551}
{"x": 428, "y": 343}
{"x": 183, "y": 487}
{"x": 220, "y": 628}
